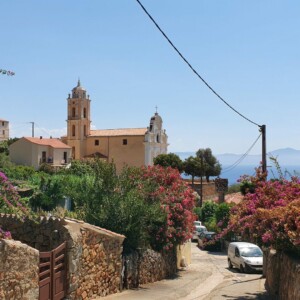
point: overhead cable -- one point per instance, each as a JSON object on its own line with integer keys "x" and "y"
{"x": 229, "y": 168}
{"x": 191, "y": 67}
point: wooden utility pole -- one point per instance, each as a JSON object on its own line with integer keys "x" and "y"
{"x": 264, "y": 148}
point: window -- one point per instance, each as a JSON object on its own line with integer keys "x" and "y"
{"x": 157, "y": 139}
{"x": 2, "y": 123}
{"x": 43, "y": 156}
{"x": 3, "y": 132}
{"x": 96, "y": 142}
{"x": 84, "y": 130}
{"x": 73, "y": 112}
{"x": 84, "y": 112}
{"x": 73, "y": 130}
{"x": 124, "y": 141}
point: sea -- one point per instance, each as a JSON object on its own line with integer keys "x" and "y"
{"x": 233, "y": 174}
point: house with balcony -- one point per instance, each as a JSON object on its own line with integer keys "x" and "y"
{"x": 33, "y": 151}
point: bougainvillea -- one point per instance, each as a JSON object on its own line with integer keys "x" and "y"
{"x": 177, "y": 201}
{"x": 9, "y": 202}
{"x": 269, "y": 215}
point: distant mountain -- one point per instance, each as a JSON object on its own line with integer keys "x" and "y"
{"x": 285, "y": 157}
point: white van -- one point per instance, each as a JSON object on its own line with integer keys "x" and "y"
{"x": 245, "y": 256}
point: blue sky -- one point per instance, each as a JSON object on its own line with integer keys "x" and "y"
{"x": 248, "y": 51}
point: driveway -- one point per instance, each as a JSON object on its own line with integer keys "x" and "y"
{"x": 208, "y": 277}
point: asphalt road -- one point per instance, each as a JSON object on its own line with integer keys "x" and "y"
{"x": 207, "y": 278}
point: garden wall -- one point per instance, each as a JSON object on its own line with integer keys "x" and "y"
{"x": 282, "y": 272}
{"x": 146, "y": 266}
{"x": 94, "y": 255}
{"x": 209, "y": 189}
{"x": 19, "y": 272}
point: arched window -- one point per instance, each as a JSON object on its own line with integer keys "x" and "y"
{"x": 84, "y": 112}
{"x": 73, "y": 130}
{"x": 84, "y": 130}
{"x": 73, "y": 112}
{"x": 157, "y": 139}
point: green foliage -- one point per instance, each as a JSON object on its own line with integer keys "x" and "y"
{"x": 197, "y": 212}
{"x": 169, "y": 160}
{"x": 192, "y": 166}
{"x": 208, "y": 210}
{"x": 4, "y": 145}
{"x": 50, "y": 193}
{"x": 235, "y": 188}
{"x": 222, "y": 214}
{"x": 210, "y": 166}
{"x": 79, "y": 168}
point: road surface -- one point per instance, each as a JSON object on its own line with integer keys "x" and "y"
{"x": 207, "y": 278}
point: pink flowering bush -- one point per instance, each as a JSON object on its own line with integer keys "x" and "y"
{"x": 165, "y": 186}
{"x": 9, "y": 202}
{"x": 269, "y": 215}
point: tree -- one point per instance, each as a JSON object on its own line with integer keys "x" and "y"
{"x": 192, "y": 166}
{"x": 169, "y": 160}
{"x": 212, "y": 165}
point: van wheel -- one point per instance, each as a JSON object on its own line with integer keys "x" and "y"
{"x": 230, "y": 266}
{"x": 242, "y": 270}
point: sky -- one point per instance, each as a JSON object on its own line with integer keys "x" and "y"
{"x": 248, "y": 51}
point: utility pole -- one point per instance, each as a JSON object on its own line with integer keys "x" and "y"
{"x": 201, "y": 182}
{"x": 264, "y": 148}
{"x": 32, "y": 128}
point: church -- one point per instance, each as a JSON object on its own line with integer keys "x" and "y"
{"x": 126, "y": 146}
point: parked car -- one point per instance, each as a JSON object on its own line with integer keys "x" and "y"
{"x": 247, "y": 257}
{"x": 207, "y": 241}
{"x": 197, "y": 231}
{"x": 197, "y": 223}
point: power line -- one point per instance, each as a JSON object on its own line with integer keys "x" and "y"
{"x": 227, "y": 169}
{"x": 191, "y": 67}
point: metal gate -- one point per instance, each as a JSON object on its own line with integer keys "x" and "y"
{"x": 52, "y": 276}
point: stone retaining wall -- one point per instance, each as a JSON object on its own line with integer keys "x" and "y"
{"x": 94, "y": 255}
{"x": 19, "y": 272}
{"x": 282, "y": 272}
{"x": 146, "y": 266}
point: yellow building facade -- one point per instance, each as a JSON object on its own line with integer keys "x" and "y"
{"x": 126, "y": 146}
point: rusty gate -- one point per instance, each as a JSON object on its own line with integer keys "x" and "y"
{"x": 52, "y": 274}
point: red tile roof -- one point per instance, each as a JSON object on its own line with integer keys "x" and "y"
{"x": 119, "y": 132}
{"x": 54, "y": 143}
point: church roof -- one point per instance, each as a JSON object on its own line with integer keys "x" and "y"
{"x": 119, "y": 132}
{"x": 54, "y": 143}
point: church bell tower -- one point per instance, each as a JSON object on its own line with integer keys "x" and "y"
{"x": 78, "y": 122}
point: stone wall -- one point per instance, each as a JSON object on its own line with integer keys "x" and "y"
{"x": 94, "y": 255}
{"x": 209, "y": 189}
{"x": 95, "y": 263}
{"x": 19, "y": 272}
{"x": 282, "y": 272}
{"x": 146, "y": 266}
{"x": 44, "y": 235}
